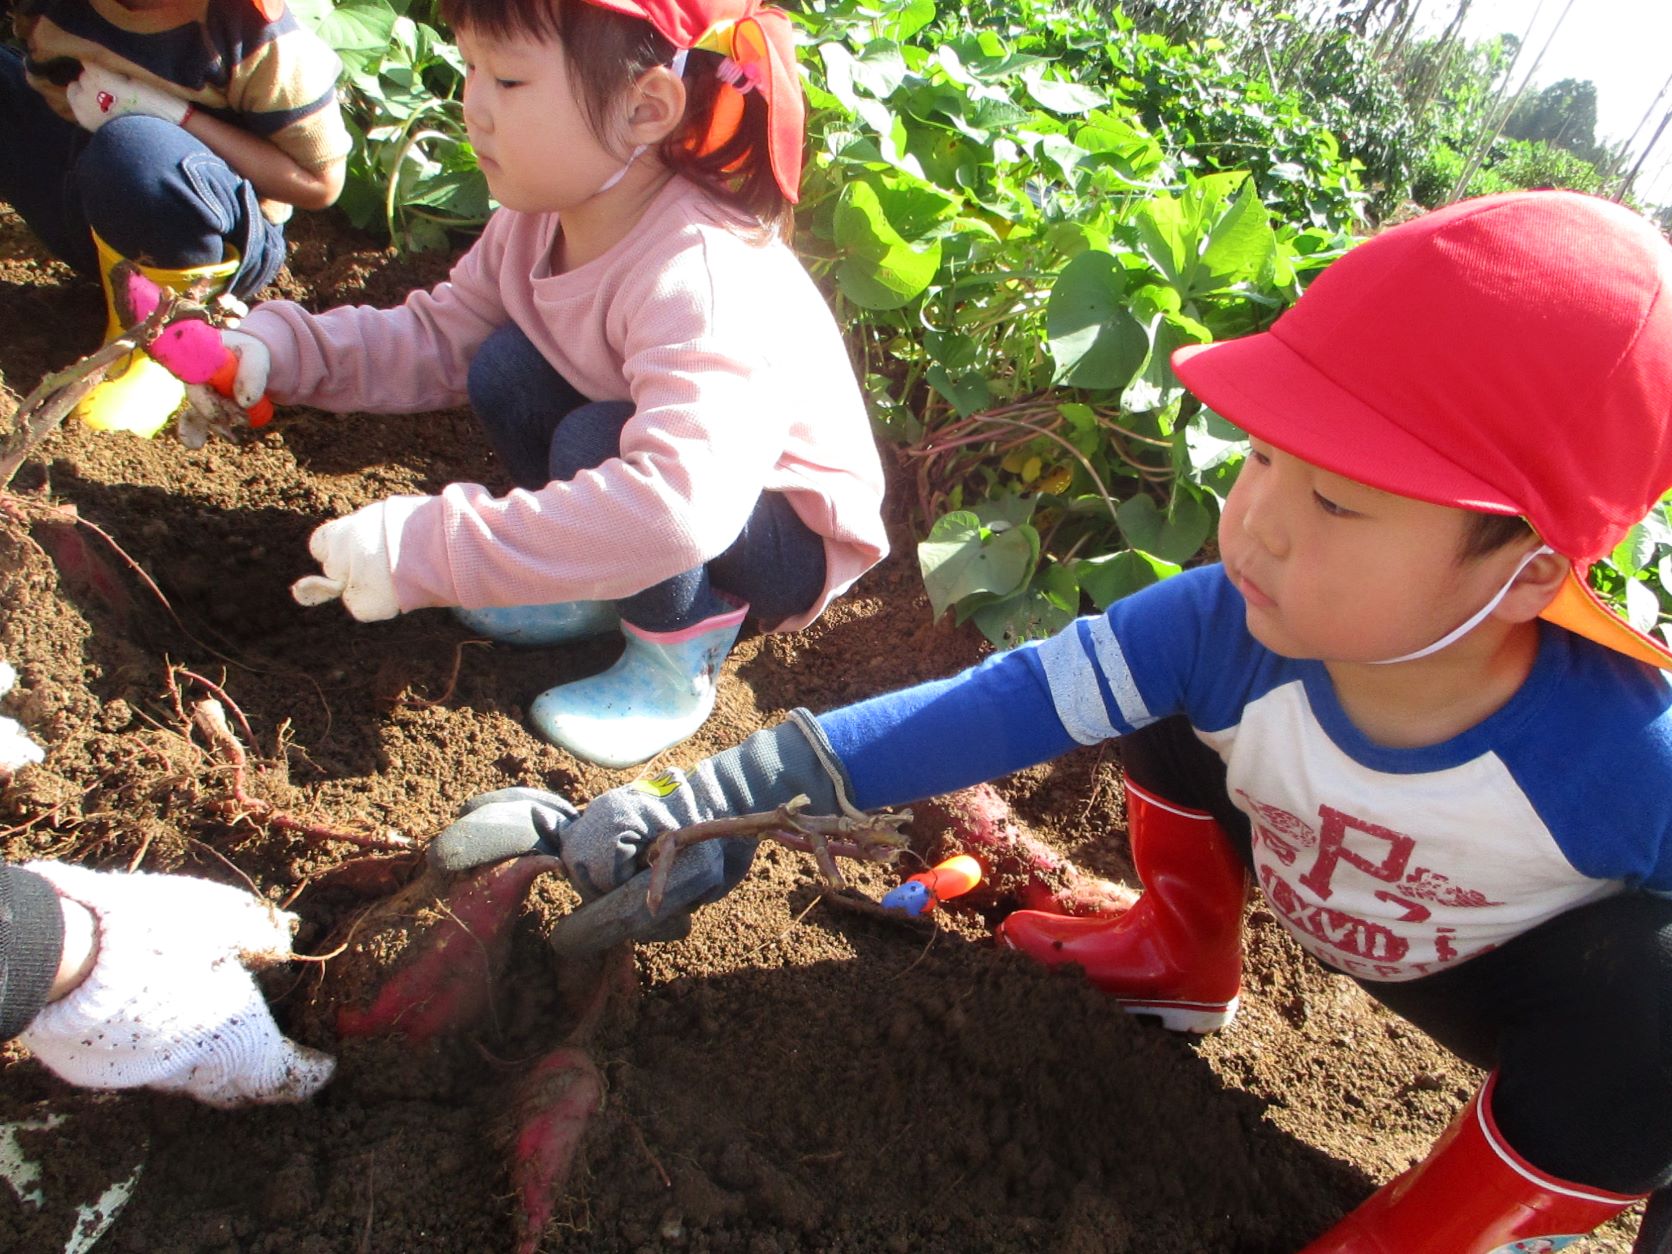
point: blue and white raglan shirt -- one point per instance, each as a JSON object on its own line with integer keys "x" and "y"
{"x": 1385, "y": 863}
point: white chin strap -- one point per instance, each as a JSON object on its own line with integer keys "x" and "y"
{"x": 621, "y": 173}
{"x": 1457, "y": 633}
{"x": 677, "y": 65}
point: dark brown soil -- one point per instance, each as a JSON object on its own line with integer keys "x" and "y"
{"x": 788, "y": 1078}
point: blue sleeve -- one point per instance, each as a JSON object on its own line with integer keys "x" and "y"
{"x": 1593, "y": 762}
{"x": 1178, "y": 647}
{"x": 1099, "y": 677}
{"x": 990, "y": 720}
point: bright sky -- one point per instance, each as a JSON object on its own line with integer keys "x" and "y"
{"x": 1620, "y": 45}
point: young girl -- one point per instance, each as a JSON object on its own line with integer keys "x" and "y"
{"x": 665, "y": 384}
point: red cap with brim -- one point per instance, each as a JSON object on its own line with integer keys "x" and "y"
{"x": 1508, "y": 355}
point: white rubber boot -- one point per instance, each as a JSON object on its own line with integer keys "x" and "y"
{"x": 659, "y": 691}
{"x": 557, "y": 623}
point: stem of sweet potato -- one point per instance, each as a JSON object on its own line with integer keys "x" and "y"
{"x": 867, "y": 838}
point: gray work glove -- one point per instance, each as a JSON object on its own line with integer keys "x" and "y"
{"x": 603, "y": 847}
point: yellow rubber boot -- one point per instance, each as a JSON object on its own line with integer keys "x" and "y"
{"x": 138, "y": 395}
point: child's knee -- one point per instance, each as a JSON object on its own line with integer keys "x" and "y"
{"x": 123, "y": 158}
{"x": 508, "y": 377}
{"x": 153, "y": 193}
{"x": 588, "y": 436}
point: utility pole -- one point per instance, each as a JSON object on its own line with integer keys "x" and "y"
{"x": 1501, "y": 115}
{"x": 1625, "y": 187}
{"x": 1621, "y": 188}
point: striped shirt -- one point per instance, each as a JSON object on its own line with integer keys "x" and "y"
{"x": 1387, "y": 863}
{"x": 275, "y": 79}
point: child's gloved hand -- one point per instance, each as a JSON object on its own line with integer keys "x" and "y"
{"x": 503, "y": 824}
{"x": 101, "y": 94}
{"x": 357, "y": 553}
{"x": 249, "y": 385}
{"x": 169, "y": 1002}
{"x": 601, "y": 849}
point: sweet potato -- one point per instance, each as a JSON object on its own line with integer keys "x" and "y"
{"x": 1017, "y": 865}
{"x": 453, "y": 939}
{"x": 83, "y": 569}
{"x": 555, "y": 1101}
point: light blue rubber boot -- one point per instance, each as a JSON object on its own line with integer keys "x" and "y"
{"x": 558, "y": 623}
{"x": 659, "y": 691}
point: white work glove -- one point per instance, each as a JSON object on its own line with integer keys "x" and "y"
{"x": 254, "y": 365}
{"x": 358, "y": 554}
{"x": 101, "y": 94}
{"x": 170, "y": 1003}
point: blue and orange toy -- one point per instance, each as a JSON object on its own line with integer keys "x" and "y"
{"x": 922, "y": 892}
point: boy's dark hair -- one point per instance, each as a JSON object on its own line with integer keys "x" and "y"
{"x": 606, "y": 53}
{"x": 1487, "y": 533}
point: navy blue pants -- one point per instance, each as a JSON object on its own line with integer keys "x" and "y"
{"x": 152, "y": 192}
{"x": 547, "y": 432}
{"x": 1575, "y": 1015}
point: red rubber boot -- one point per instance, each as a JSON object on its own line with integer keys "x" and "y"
{"x": 1473, "y": 1194}
{"x": 1177, "y": 953}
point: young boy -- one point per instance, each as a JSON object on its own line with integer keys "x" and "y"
{"x": 1395, "y": 700}
{"x": 176, "y": 133}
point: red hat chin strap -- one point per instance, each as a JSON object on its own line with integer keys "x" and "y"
{"x": 271, "y": 10}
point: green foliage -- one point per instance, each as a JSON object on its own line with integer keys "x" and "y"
{"x": 1563, "y": 115}
{"x": 411, "y": 173}
{"x": 1020, "y": 212}
{"x": 1205, "y": 106}
{"x": 1637, "y": 576}
{"x": 1358, "y": 95}
{"x": 1021, "y": 208}
{"x": 1510, "y": 165}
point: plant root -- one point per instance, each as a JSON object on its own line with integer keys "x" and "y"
{"x": 209, "y": 718}
{"x": 868, "y": 838}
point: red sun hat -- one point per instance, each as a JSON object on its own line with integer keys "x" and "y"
{"x": 1510, "y": 354}
{"x": 759, "y": 46}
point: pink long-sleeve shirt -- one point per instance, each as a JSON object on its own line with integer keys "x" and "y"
{"x": 738, "y": 376}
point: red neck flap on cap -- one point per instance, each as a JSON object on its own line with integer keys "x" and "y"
{"x": 759, "y": 44}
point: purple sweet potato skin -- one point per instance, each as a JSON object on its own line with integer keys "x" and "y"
{"x": 558, "y": 1098}
{"x": 445, "y": 979}
{"x": 1017, "y": 867}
